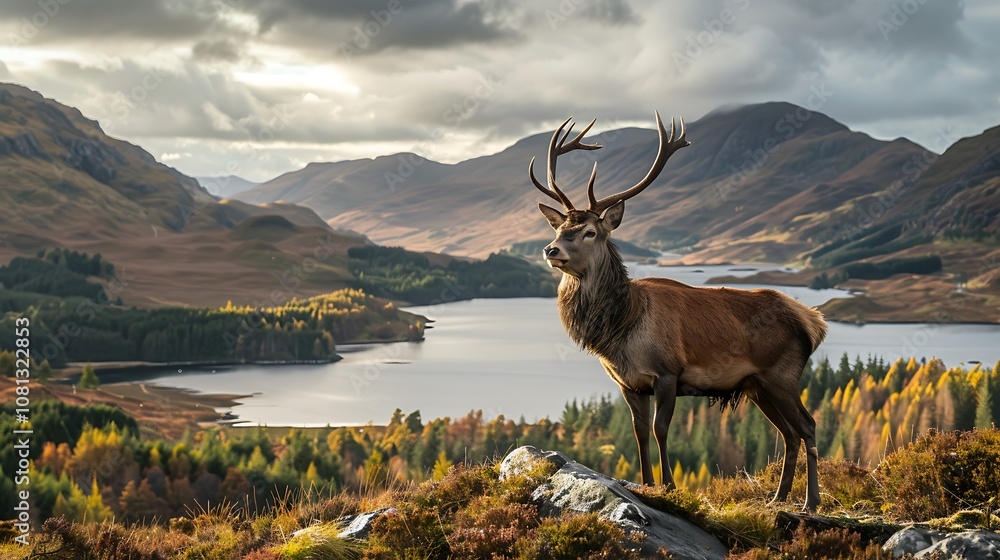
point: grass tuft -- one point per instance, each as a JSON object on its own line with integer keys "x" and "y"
{"x": 319, "y": 542}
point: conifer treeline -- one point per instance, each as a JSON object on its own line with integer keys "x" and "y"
{"x": 76, "y": 330}
{"x": 864, "y": 410}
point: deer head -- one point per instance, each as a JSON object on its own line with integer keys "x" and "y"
{"x": 582, "y": 235}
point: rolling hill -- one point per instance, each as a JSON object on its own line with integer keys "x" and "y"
{"x": 68, "y": 185}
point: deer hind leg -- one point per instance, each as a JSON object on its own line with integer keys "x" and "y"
{"x": 806, "y": 426}
{"x": 772, "y": 412}
{"x": 638, "y": 405}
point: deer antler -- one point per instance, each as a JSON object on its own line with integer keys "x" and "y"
{"x": 668, "y": 145}
{"x": 558, "y": 147}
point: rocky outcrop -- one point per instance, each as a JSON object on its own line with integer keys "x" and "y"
{"x": 358, "y": 526}
{"x": 523, "y": 459}
{"x": 24, "y": 144}
{"x": 575, "y": 487}
{"x": 911, "y": 540}
{"x": 923, "y": 542}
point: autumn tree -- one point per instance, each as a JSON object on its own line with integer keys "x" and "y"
{"x": 984, "y": 406}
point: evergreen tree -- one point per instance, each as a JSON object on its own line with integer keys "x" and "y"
{"x": 844, "y": 371}
{"x": 7, "y": 363}
{"x": 89, "y": 380}
{"x": 43, "y": 371}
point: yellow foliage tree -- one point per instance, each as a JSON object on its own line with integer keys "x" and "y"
{"x": 441, "y": 466}
{"x": 623, "y": 469}
{"x": 95, "y": 510}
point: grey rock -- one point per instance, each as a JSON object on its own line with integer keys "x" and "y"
{"x": 524, "y": 458}
{"x": 360, "y": 525}
{"x": 911, "y": 540}
{"x": 574, "y": 487}
{"x": 628, "y": 514}
{"x": 971, "y": 545}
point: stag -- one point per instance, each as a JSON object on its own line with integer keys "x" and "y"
{"x": 660, "y": 338}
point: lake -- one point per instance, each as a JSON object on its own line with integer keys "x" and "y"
{"x": 512, "y": 357}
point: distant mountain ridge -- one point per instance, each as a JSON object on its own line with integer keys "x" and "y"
{"x": 225, "y": 186}
{"x": 914, "y": 234}
{"x": 751, "y": 173}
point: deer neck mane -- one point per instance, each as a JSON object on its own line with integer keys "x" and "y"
{"x": 600, "y": 309}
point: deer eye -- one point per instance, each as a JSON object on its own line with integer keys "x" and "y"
{"x": 590, "y": 235}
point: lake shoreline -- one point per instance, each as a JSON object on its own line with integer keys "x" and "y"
{"x": 483, "y": 352}
{"x": 116, "y": 366}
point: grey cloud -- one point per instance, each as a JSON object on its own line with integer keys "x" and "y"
{"x": 224, "y": 50}
{"x": 931, "y": 28}
{"x": 898, "y": 26}
{"x": 313, "y": 24}
{"x": 610, "y": 59}
{"x": 366, "y": 27}
{"x": 149, "y": 20}
{"x": 613, "y": 12}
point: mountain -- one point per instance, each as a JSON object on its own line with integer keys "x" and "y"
{"x": 943, "y": 207}
{"x": 67, "y": 184}
{"x": 225, "y": 186}
{"x": 746, "y": 182}
{"x": 773, "y": 182}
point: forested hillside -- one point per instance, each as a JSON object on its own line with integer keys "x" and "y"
{"x": 864, "y": 411}
{"x": 80, "y": 330}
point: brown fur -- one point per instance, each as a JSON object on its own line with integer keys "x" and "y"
{"x": 662, "y": 338}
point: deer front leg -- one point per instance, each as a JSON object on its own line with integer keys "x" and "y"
{"x": 665, "y": 397}
{"x": 638, "y": 404}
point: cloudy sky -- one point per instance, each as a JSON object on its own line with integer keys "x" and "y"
{"x": 261, "y": 87}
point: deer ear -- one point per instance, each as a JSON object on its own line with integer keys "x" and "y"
{"x": 555, "y": 217}
{"x": 613, "y": 216}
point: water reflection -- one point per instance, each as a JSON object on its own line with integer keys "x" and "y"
{"x": 512, "y": 357}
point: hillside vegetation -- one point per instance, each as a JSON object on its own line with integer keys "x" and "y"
{"x": 68, "y": 185}
{"x": 80, "y": 330}
{"x": 468, "y": 512}
{"x": 869, "y": 417}
{"x": 400, "y": 274}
